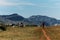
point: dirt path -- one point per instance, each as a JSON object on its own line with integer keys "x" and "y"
{"x": 46, "y": 36}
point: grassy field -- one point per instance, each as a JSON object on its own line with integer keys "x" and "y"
{"x": 30, "y": 33}
{"x": 27, "y": 33}
{"x": 53, "y": 32}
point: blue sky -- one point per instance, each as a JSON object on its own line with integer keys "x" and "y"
{"x": 28, "y": 8}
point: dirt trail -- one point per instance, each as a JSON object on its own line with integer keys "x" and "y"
{"x": 47, "y": 37}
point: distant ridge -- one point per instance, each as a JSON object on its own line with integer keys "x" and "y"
{"x": 13, "y": 17}
{"x": 34, "y": 19}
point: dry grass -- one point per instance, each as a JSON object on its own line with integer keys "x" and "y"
{"x": 27, "y": 33}
{"x": 30, "y": 33}
{"x": 53, "y": 32}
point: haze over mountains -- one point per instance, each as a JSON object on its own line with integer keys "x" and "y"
{"x": 34, "y": 19}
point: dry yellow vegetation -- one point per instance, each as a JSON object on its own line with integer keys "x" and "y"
{"x": 53, "y": 32}
{"x": 18, "y": 33}
{"x": 30, "y": 33}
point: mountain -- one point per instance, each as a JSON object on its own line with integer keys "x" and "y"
{"x": 32, "y": 20}
{"x": 38, "y": 19}
{"x": 13, "y": 17}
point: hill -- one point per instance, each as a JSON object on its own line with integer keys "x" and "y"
{"x": 32, "y": 20}
{"x": 38, "y": 19}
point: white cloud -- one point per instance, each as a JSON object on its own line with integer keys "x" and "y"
{"x": 5, "y": 3}
{"x": 25, "y": 4}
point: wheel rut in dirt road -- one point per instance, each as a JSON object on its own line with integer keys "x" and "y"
{"x": 45, "y": 34}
